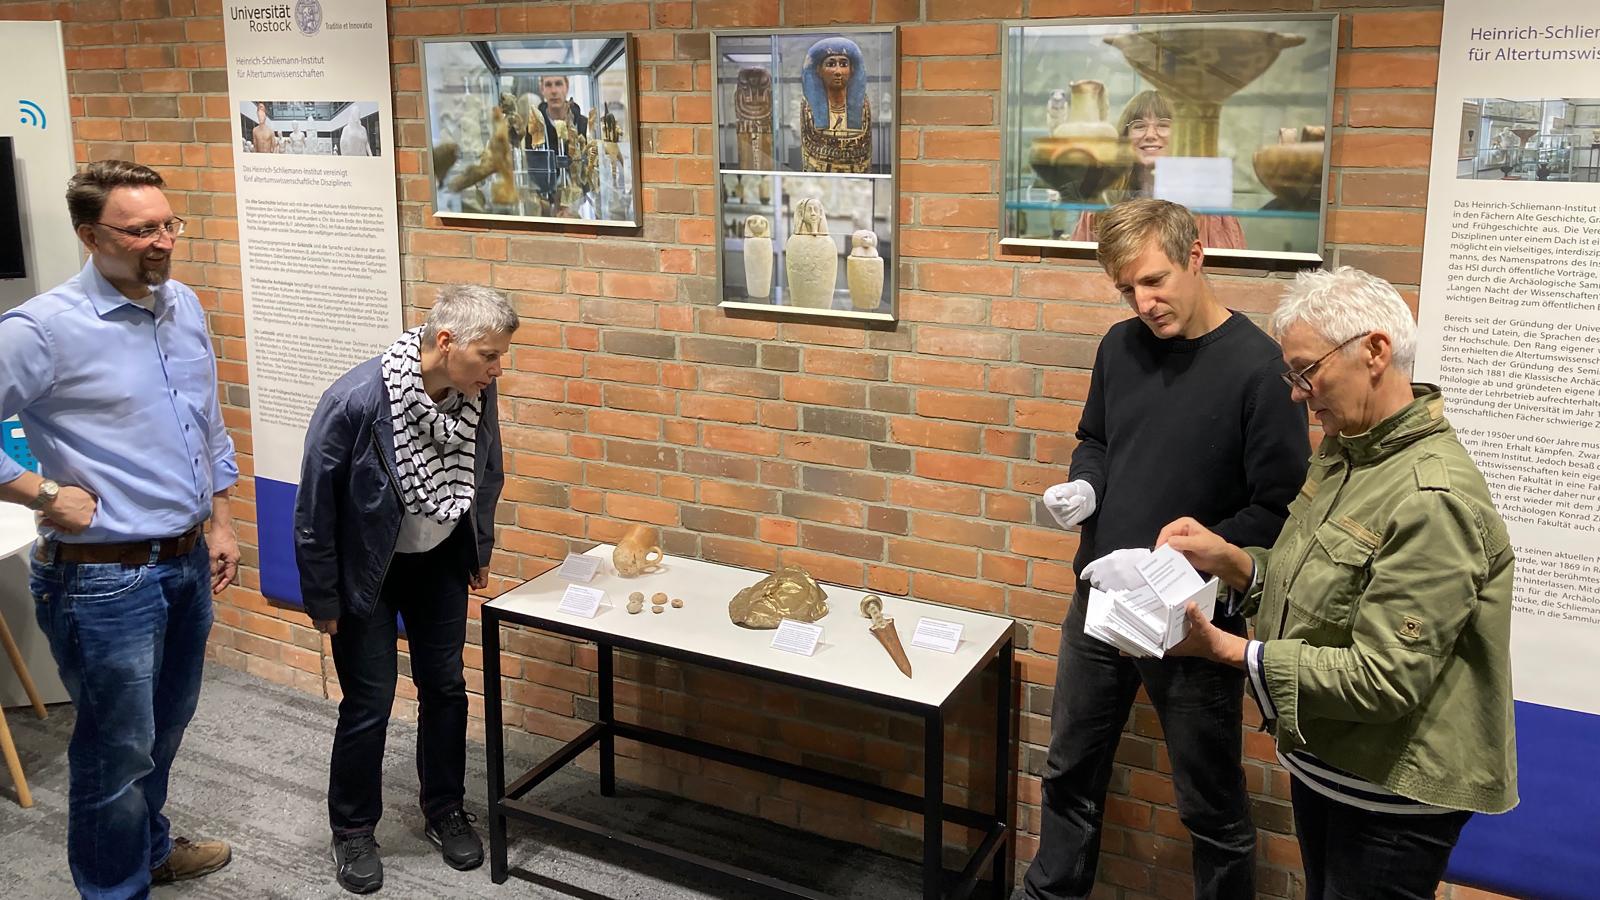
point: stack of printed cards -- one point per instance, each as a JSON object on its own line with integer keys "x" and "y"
{"x": 1149, "y": 620}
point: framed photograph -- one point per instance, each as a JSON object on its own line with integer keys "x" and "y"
{"x": 807, "y": 125}
{"x": 533, "y": 128}
{"x": 1228, "y": 115}
{"x": 314, "y": 127}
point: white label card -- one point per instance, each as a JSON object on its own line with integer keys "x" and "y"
{"x": 1170, "y": 575}
{"x": 797, "y": 637}
{"x": 581, "y": 601}
{"x": 937, "y": 634}
{"x": 580, "y": 568}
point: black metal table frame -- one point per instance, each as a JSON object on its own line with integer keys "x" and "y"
{"x": 995, "y": 851}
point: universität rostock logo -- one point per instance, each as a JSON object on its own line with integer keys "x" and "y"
{"x": 308, "y": 16}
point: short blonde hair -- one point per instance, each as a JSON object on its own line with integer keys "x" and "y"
{"x": 1125, "y": 230}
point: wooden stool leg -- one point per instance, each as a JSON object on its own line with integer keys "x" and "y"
{"x": 21, "y": 667}
{"x": 9, "y": 750}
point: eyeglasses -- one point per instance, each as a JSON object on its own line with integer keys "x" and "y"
{"x": 1145, "y": 126}
{"x": 1301, "y": 380}
{"x": 172, "y": 226}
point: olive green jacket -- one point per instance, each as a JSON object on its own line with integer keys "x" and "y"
{"x": 1385, "y": 606}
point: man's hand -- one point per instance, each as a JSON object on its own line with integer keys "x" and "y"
{"x": 224, "y": 547}
{"x": 71, "y": 511}
{"x": 1207, "y": 641}
{"x": 1117, "y": 570}
{"x": 329, "y": 627}
{"x": 1070, "y": 502}
{"x": 479, "y": 579}
{"x": 1208, "y": 552}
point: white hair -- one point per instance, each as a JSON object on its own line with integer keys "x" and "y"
{"x": 1340, "y": 304}
{"x": 470, "y": 313}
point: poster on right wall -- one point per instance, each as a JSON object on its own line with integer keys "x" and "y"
{"x": 1509, "y": 327}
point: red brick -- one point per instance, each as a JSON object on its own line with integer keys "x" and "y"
{"x": 950, "y": 40}
{"x": 611, "y": 17}
{"x": 1388, "y": 69}
{"x": 960, "y": 468}
{"x": 1388, "y": 109}
{"x": 1396, "y": 29}
{"x": 963, "y": 407}
{"x": 937, "y": 435}
{"x": 736, "y": 13}
{"x": 946, "y": 178}
{"x": 1381, "y": 149}
{"x": 962, "y": 342}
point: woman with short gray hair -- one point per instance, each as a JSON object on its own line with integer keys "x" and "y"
{"x": 1382, "y": 651}
{"x": 395, "y": 516}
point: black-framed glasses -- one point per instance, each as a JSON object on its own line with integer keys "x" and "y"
{"x": 173, "y": 226}
{"x": 1301, "y": 380}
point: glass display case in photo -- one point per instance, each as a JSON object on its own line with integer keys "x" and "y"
{"x": 807, "y": 243}
{"x": 806, "y": 101}
{"x": 806, "y": 150}
{"x": 1546, "y": 139}
{"x": 310, "y": 127}
{"x": 538, "y": 128}
{"x": 1226, "y": 115}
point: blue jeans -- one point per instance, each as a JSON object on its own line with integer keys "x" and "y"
{"x": 130, "y": 643}
{"x": 1200, "y": 705}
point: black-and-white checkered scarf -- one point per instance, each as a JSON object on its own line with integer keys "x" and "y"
{"x": 433, "y": 449}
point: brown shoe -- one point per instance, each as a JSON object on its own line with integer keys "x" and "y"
{"x": 191, "y": 859}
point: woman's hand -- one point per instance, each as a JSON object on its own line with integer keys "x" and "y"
{"x": 1208, "y": 552}
{"x": 1207, "y": 641}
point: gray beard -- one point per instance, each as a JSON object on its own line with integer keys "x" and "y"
{"x": 158, "y": 276}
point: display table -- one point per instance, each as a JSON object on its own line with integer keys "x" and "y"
{"x": 848, "y": 663}
{"x": 17, "y": 532}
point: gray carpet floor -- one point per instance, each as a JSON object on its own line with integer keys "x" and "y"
{"x": 253, "y": 770}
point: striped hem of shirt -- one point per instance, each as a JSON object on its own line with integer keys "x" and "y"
{"x": 1332, "y": 783}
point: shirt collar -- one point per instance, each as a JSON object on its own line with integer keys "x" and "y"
{"x": 105, "y": 296}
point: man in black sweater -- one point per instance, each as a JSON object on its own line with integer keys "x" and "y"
{"x": 1186, "y": 415}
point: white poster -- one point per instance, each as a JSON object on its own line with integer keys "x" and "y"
{"x": 311, "y": 105}
{"x": 38, "y": 122}
{"x": 1510, "y": 310}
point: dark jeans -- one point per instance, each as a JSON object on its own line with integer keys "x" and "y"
{"x": 1353, "y": 854}
{"x": 130, "y": 643}
{"x": 429, "y": 591}
{"x": 1200, "y": 705}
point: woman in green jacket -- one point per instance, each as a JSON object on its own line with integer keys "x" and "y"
{"x": 1381, "y": 658}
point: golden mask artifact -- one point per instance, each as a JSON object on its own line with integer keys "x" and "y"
{"x": 789, "y": 593}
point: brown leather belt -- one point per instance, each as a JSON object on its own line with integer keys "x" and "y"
{"x": 127, "y": 553}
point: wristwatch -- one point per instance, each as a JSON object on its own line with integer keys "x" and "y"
{"x": 47, "y": 494}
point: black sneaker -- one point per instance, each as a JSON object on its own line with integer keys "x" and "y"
{"x": 358, "y": 867}
{"x": 456, "y": 839}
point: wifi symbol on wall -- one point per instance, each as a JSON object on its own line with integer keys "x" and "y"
{"x": 32, "y": 113}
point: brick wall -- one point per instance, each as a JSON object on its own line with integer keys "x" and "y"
{"x": 907, "y": 461}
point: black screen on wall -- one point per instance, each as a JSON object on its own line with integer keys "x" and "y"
{"x": 11, "y": 262}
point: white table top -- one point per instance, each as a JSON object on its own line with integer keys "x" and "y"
{"x": 848, "y": 655}
{"x": 17, "y": 530}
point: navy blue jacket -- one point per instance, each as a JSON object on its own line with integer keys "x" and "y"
{"x": 348, "y": 510}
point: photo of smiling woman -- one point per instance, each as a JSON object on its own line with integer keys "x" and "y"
{"x": 1146, "y": 124}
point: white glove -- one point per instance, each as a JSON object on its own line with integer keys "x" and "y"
{"x": 1118, "y": 570}
{"x": 1070, "y": 502}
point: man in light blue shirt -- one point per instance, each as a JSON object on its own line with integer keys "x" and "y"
{"x": 113, "y": 377}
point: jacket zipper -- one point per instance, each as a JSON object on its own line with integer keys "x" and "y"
{"x": 394, "y": 484}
